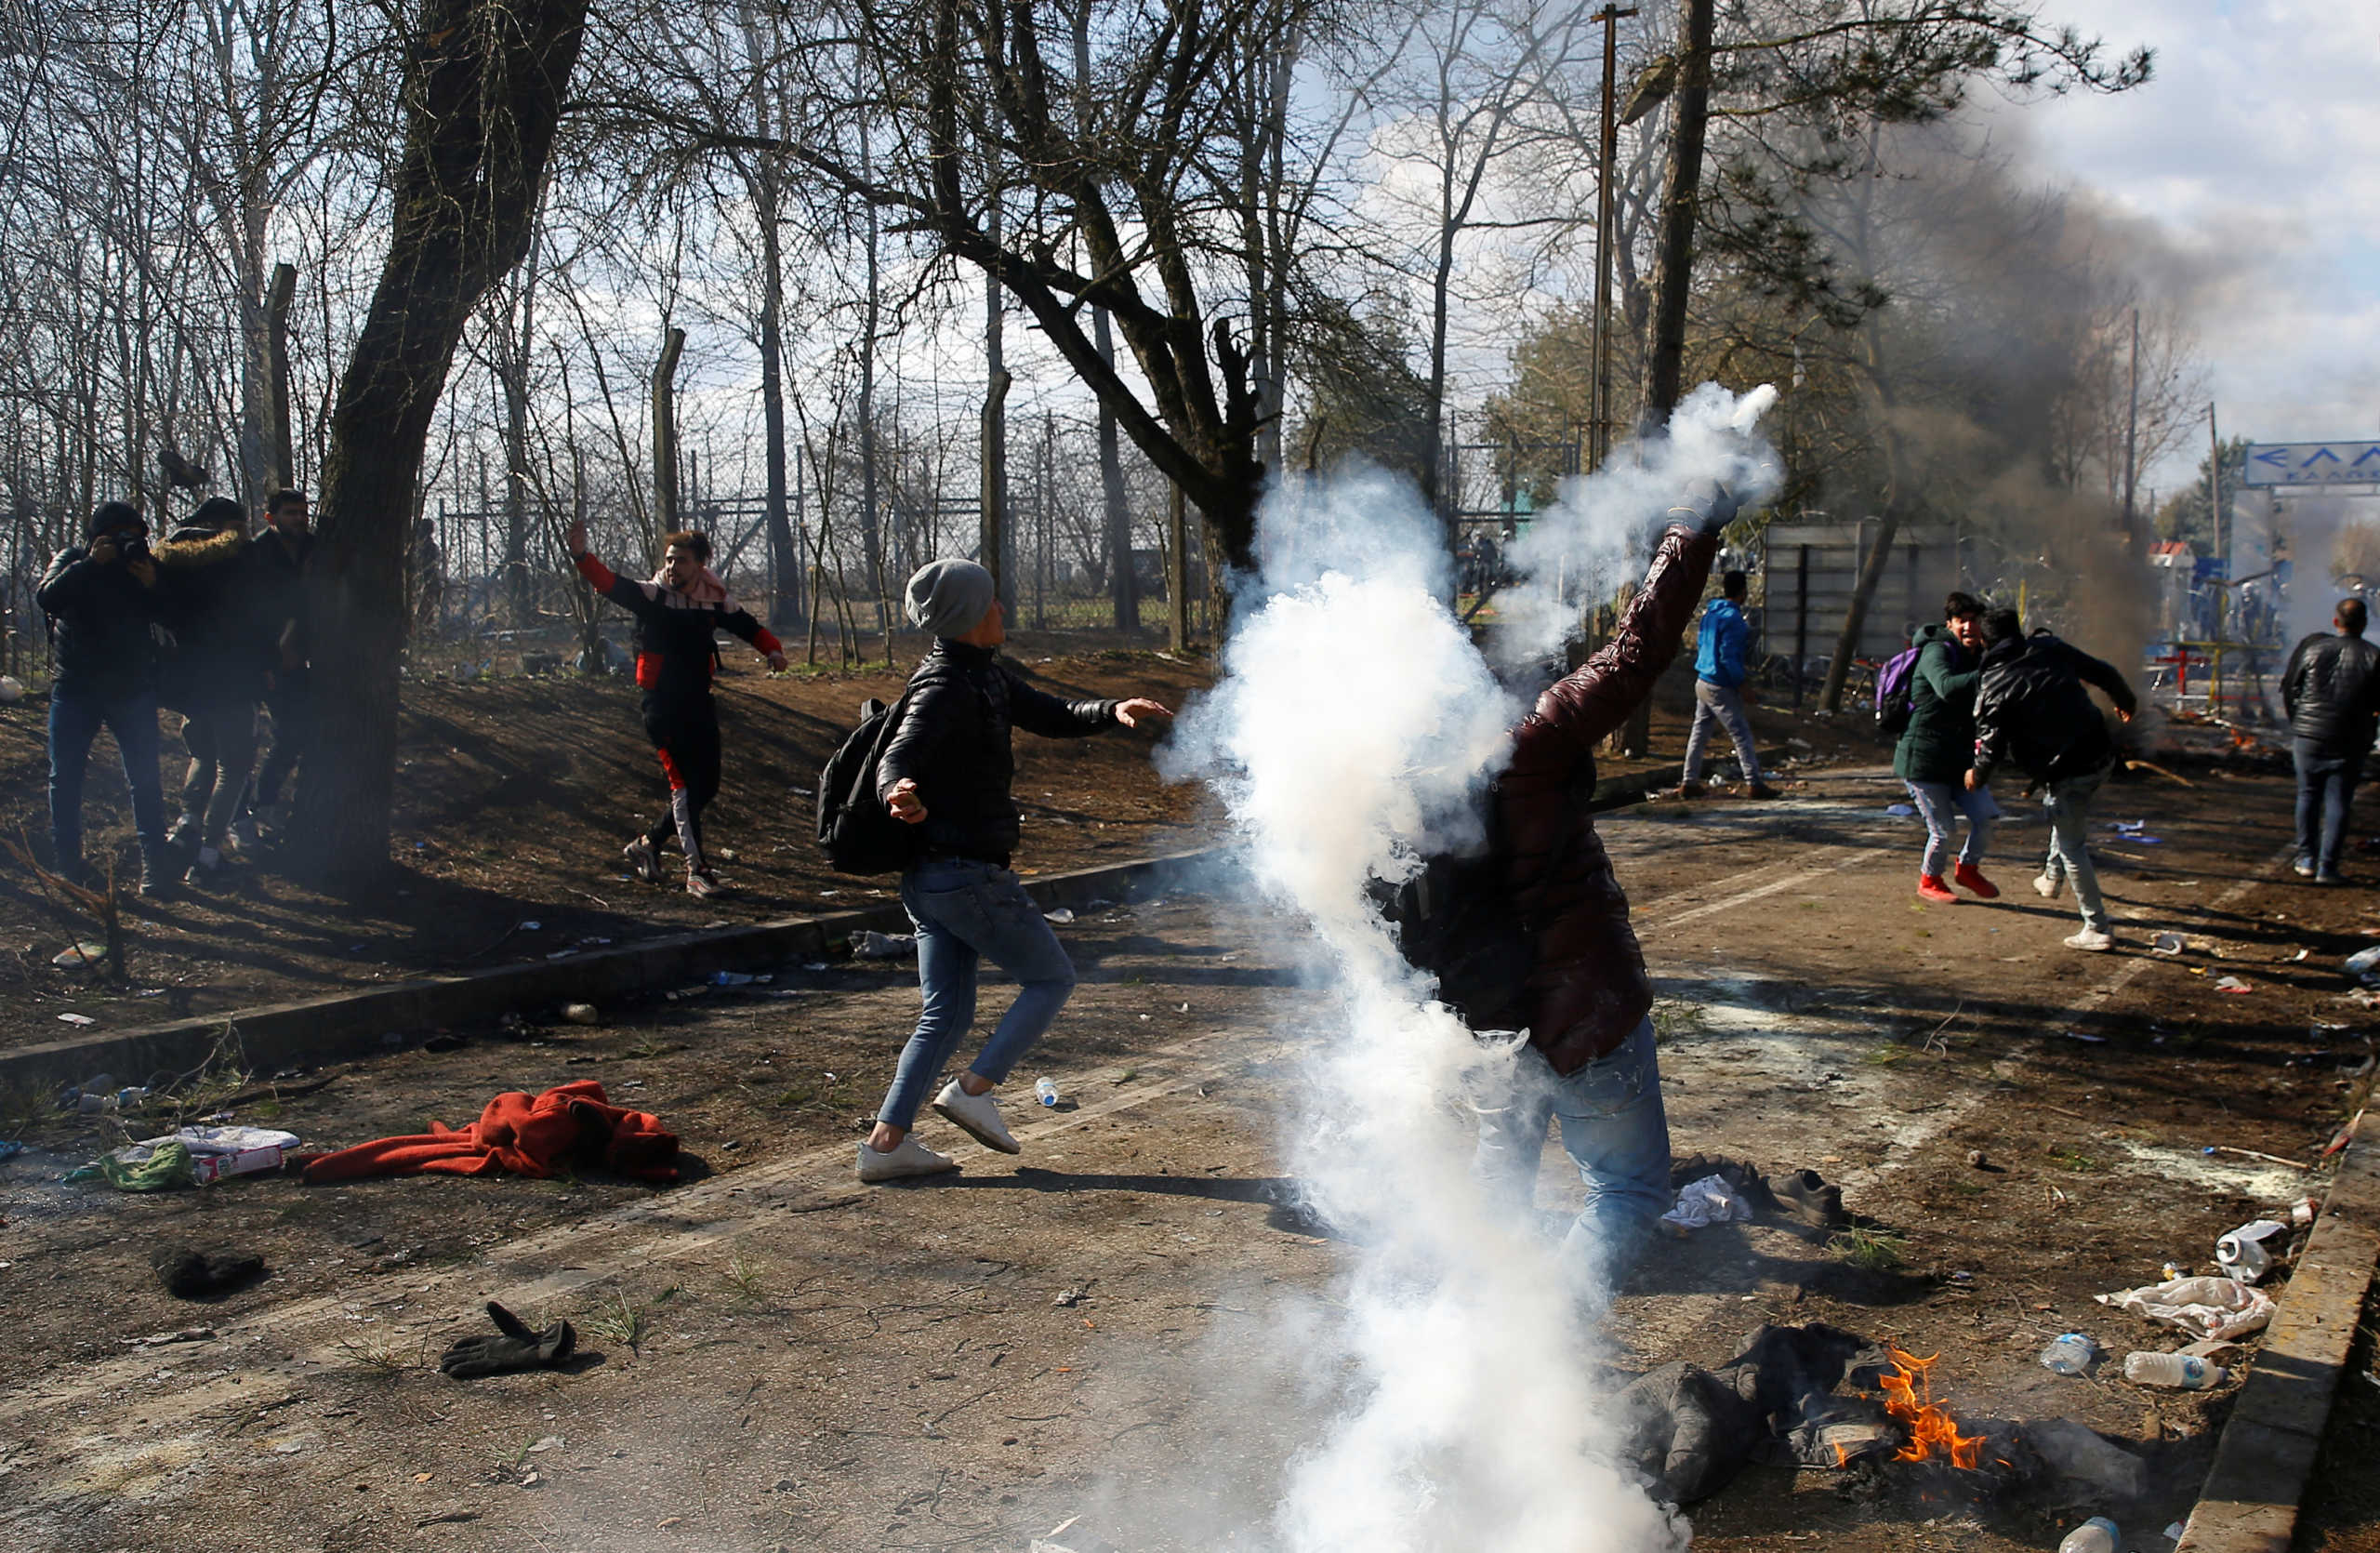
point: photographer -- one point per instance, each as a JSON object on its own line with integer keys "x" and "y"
{"x": 104, "y": 602}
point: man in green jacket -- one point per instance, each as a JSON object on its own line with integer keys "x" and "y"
{"x": 1938, "y": 745}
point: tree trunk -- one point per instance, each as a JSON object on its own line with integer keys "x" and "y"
{"x": 518, "y": 341}
{"x": 1673, "y": 266}
{"x": 785, "y": 550}
{"x": 482, "y": 103}
{"x": 1123, "y": 582}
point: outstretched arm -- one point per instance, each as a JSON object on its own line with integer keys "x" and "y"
{"x": 1599, "y": 696}
{"x": 763, "y": 640}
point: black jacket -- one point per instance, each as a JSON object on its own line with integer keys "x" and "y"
{"x": 280, "y": 574}
{"x": 223, "y": 647}
{"x": 2332, "y": 689}
{"x": 106, "y": 644}
{"x": 2030, "y": 707}
{"x": 954, "y": 743}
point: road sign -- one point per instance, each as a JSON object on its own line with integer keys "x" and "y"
{"x": 2314, "y": 463}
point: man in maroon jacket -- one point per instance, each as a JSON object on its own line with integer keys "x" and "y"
{"x": 1589, "y": 1060}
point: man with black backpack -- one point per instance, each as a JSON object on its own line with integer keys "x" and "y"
{"x": 1582, "y": 993}
{"x": 2030, "y": 707}
{"x": 945, "y": 771}
{"x": 1936, "y": 743}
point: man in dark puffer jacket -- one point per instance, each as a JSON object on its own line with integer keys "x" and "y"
{"x": 947, "y": 770}
{"x": 1590, "y": 1061}
{"x": 224, "y": 650}
{"x": 2332, "y": 691}
{"x": 104, "y": 601}
{"x": 2030, "y": 707}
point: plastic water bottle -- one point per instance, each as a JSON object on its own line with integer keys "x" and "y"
{"x": 2097, "y": 1534}
{"x": 2069, "y": 1354}
{"x": 2186, "y": 1371}
{"x": 1045, "y": 1092}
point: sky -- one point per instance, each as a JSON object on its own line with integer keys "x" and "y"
{"x": 2254, "y": 152}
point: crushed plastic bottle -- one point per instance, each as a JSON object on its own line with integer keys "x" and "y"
{"x": 2097, "y": 1534}
{"x": 1045, "y": 1091}
{"x": 2185, "y": 1371}
{"x": 2069, "y": 1353}
{"x": 2363, "y": 962}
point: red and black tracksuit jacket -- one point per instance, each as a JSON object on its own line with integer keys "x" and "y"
{"x": 674, "y": 662}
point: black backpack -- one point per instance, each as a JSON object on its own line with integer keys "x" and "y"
{"x": 857, "y": 832}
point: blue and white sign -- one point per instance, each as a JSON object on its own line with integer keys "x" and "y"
{"x": 2314, "y": 463}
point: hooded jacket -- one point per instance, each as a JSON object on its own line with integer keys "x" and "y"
{"x": 1719, "y": 644}
{"x": 1588, "y": 989}
{"x": 1938, "y": 744}
{"x": 223, "y": 648}
{"x": 107, "y": 644}
{"x": 954, "y": 743}
{"x": 2030, "y": 707}
{"x": 2331, "y": 692}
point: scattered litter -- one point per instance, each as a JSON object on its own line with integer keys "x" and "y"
{"x": 2078, "y": 1035}
{"x": 2201, "y": 1307}
{"x": 2069, "y": 1353}
{"x": 2301, "y": 1212}
{"x": 77, "y": 1019}
{"x": 2171, "y": 943}
{"x": 1901, "y": 811}
{"x": 9, "y": 1149}
{"x": 76, "y": 956}
{"x": 516, "y": 1348}
{"x": 581, "y": 1014}
{"x": 194, "y": 1156}
{"x": 1060, "y": 915}
{"x": 734, "y": 978}
{"x": 1071, "y": 1298}
{"x": 1978, "y": 1159}
{"x": 2181, "y": 1370}
{"x": 868, "y": 944}
{"x": 550, "y": 1442}
{"x": 161, "y": 1339}
{"x": 190, "y": 1273}
{"x": 1707, "y": 1202}
{"x": 2127, "y": 826}
{"x": 2364, "y": 961}
{"x": 2097, "y": 1534}
{"x": 532, "y": 926}
{"x": 1045, "y": 1091}
{"x": 2299, "y": 955}
{"x": 2231, "y": 983}
{"x": 2243, "y": 1253}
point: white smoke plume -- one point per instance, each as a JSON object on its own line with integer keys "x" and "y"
{"x": 1355, "y": 727}
{"x": 1599, "y": 532}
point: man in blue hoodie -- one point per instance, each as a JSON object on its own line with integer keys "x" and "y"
{"x": 1718, "y": 690}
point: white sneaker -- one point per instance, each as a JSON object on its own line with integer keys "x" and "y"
{"x": 2092, "y": 940}
{"x": 976, "y": 1115}
{"x": 2048, "y": 885}
{"x": 907, "y": 1158}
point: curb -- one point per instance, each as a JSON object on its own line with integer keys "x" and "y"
{"x": 2266, "y": 1458}
{"x": 352, "y": 1024}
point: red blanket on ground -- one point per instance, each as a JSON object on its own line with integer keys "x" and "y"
{"x": 572, "y": 1127}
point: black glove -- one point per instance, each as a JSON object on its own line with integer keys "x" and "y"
{"x": 518, "y": 1348}
{"x": 1720, "y": 510}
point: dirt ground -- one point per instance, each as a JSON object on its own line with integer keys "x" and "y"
{"x": 514, "y": 795}
{"x": 778, "y": 1357}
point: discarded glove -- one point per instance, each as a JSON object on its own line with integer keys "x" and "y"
{"x": 1807, "y": 1196}
{"x": 518, "y": 1348}
{"x": 189, "y": 1273}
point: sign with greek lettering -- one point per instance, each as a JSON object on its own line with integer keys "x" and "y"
{"x": 2314, "y": 463}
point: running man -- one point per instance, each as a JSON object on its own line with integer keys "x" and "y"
{"x": 677, "y": 616}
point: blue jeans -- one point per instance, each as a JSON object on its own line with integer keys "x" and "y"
{"x": 2070, "y": 849}
{"x": 1724, "y": 707}
{"x": 966, "y": 911}
{"x": 1936, "y": 803}
{"x": 1615, "y": 1131}
{"x": 2325, "y": 788}
{"x": 74, "y": 719}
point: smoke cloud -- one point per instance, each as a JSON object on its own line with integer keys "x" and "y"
{"x": 1355, "y": 728}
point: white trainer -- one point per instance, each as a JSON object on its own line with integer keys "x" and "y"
{"x": 976, "y": 1115}
{"x": 2048, "y": 885}
{"x": 2092, "y": 940}
{"x": 908, "y": 1157}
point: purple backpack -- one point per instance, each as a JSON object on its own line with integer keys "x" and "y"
{"x": 1896, "y": 688}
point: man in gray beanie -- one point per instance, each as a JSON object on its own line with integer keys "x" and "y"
{"x": 947, "y": 770}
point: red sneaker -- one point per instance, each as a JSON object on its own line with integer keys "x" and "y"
{"x": 1972, "y": 877}
{"x": 1930, "y": 888}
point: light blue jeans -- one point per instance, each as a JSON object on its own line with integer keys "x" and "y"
{"x": 1937, "y": 801}
{"x": 1615, "y": 1131}
{"x": 2070, "y": 848}
{"x": 965, "y": 912}
{"x": 1724, "y": 707}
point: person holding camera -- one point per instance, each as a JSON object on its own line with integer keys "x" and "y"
{"x": 103, "y": 601}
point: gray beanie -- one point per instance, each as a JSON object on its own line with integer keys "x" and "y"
{"x": 949, "y": 597}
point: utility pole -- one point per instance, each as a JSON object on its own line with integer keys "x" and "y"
{"x": 1177, "y": 560}
{"x": 1606, "y": 205}
{"x": 2215, "y": 488}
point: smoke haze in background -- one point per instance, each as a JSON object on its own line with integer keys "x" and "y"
{"x": 1355, "y": 728}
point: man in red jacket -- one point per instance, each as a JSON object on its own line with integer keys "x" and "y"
{"x": 1589, "y": 1061}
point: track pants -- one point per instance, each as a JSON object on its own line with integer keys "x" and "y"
{"x": 685, "y": 736}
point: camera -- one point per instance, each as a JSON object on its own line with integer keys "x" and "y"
{"x": 131, "y": 547}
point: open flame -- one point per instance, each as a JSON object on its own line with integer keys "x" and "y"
{"x": 1933, "y": 1433}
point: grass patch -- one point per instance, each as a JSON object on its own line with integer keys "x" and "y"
{"x": 1869, "y": 1250}
{"x": 1887, "y": 1057}
{"x": 2073, "y": 1159}
{"x": 647, "y": 1050}
{"x": 377, "y": 1351}
{"x": 616, "y": 1320}
{"x": 746, "y": 1277}
{"x": 1671, "y": 1019}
